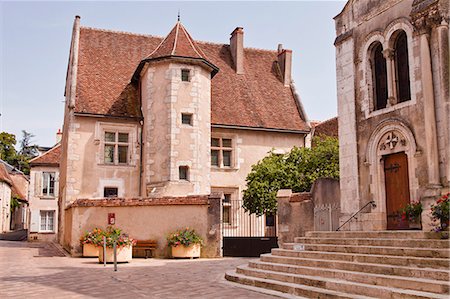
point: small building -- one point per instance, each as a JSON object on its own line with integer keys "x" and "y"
{"x": 43, "y": 196}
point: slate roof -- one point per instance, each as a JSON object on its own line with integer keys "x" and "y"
{"x": 256, "y": 99}
{"x": 49, "y": 158}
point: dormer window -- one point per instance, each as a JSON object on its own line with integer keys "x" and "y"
{"x": 185, "y": 75}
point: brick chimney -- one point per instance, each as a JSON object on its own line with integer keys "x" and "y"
{"x": 58, "y": 136}
{"x": 237, "y": 49}
{"x": 285, "y": 63}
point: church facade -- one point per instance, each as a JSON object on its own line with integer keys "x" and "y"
{"x": 392, "y": 60}
{"x": 151, "y": 120}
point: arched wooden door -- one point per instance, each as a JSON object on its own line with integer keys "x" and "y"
{"x": 397, "y": 189}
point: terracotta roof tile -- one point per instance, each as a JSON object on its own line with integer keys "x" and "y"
{"x": 49, "y": 158}
{"x": 327, "y": 128}
{"x": 4, "y": 176}
{"x": 107, "y": 61}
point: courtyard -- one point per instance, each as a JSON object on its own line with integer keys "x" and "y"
{"x": 41, "y": 270}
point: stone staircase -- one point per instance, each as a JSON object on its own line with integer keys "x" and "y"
{"x": 387, "y": 264}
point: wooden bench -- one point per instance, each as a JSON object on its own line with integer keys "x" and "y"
{"x": 147, "y": 245}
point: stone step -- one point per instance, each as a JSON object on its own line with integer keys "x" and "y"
{"x": 374, "y": 234}
{"x": 289, "y": 288}
{"x": 408, "y": 261}
{"x": 337, "y": 285}
{"x": 424, "y": 285}
{"x": 381, "y": 250}
{"x": 425, "y": 273}
{"x": 413, "y": 243}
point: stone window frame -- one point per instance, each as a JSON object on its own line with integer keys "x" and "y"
{"x": 387, "y": 38}
{"x": 185, "y": 72}
{"x": 374, "y": 161}
{"x": 220, "y": 148}
{"x": 132, "y": 131}
{"x": 47, "y": 213}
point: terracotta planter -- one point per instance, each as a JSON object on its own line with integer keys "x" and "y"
{"x": 190, "y": 251}
{"x": 90, "y": 250}
{"x": 124, "y": 254}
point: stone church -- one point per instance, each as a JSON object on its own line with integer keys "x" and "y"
{"x": 392, "y": 60}
{"x": 156, "y": 124}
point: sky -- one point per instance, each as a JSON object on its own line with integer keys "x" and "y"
{"x": 35, "y": 41}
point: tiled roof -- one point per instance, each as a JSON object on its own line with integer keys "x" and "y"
{"x": 178, "y": 43}
{"x": 327, "y": 128}
{"x": 49, "y": 158}
{"x": 4, "y": 176}
{"x": 258, "y": 98}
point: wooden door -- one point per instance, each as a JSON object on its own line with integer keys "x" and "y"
{"x": 397, "y": 189}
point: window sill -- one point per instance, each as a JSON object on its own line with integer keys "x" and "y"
{"x": 390, "y": 109}
{"x": 224, "y": 169}
{"x": 47, "y": 197}
{"x": 116, "y": 165}
{"x": 45, "y": 232}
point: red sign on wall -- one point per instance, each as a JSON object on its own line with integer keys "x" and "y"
{"x": 111, "y": 218}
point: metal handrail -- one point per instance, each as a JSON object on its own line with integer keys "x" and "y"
{"x": 353, "y": 216}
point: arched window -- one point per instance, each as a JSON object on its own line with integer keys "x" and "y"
{"x": 379, "y": 77}
{"x": 402, "y": 68}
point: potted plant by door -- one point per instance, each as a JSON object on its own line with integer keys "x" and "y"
{"x": 124, "y": 246}
{"x": 90, "y": 242}
{"x": 412, "y": 213}
{"x": 185, "y": 243}
{"x": 440, "y": 211}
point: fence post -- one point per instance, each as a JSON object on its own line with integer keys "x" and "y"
{"x": 104, "y": 251}
{"x": 115, "y": 255}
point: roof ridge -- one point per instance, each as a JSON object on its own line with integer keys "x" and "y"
{"x": 121, "y": 32}
{"x": 176, "y": 38}
{"x": 192, "y": 41}
{"x": 163, "y": 37}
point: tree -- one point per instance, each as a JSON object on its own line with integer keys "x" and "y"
{"x": 7, "y": 147}
{"x": 296, "y": 170}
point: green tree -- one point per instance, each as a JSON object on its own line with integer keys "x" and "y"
{"x": 296, "y": 170}
{"x": 8, "y": 151}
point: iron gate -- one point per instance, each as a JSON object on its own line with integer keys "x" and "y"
{"x": 246, "y": 235}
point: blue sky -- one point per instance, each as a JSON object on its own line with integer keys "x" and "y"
{"x": 35, "y": 40}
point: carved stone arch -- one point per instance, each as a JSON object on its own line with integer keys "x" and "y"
{"x": 391, "y": 136}
{"x": 398, "y": 24}
{"x": 366, "y": 82}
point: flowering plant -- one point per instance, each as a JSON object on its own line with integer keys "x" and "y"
{"x": 93, "y": 237}
{"x": 184, "y": 237}
{"x": 440, "y": 212}
{"x": 412, "y": 211}
{"x": 112, "y": 234}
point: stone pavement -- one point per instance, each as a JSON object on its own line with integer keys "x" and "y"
{"x": 41, "y": 271}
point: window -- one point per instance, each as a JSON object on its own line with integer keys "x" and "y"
{"x": 110, "y": 192}
{"x": 186, "y": 119}
{"x": 185, "y": 75}
{"x": 379, "y": 77}
{"x": 48, "y": 184}
{"x": 183, "y": 173}
{"x": 402, "y": 68}
{"x": 116, "y": 148}
{"x": 226, "y": 208}
{"x": 221, "y": 152}
{"x": 47, "y": 221}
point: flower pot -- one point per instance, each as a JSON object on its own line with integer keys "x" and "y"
{"x": 90, "y": 250}
{"x": 124, "y": 254}
{"x": 415, "y": 224}
{"x": 190, "y": 251}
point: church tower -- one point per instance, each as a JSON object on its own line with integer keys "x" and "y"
{"x": 175, "y": 89}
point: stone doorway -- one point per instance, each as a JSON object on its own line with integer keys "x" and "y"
{"x": 397, "y": 189}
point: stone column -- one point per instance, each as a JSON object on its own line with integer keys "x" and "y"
{"x": 391, "y": 77}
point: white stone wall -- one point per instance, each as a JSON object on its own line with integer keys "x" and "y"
{"x": 348, "y": 154}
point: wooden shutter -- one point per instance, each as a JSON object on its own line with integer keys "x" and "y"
{"x": 34, "y": 221}
{"x": 56, "y": 184}
{"x": 38, "y": 183}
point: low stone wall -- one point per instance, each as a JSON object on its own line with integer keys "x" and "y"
{"x": 147, "y": 219}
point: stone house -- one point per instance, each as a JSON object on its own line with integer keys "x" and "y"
{"x": 157, "y": 124}
{"x": 392, "y": 60}
{"x": 13, "y": 184}
{"x": 43, "y": 195}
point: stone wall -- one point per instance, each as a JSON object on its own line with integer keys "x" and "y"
{"x": 147, "y": 219}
